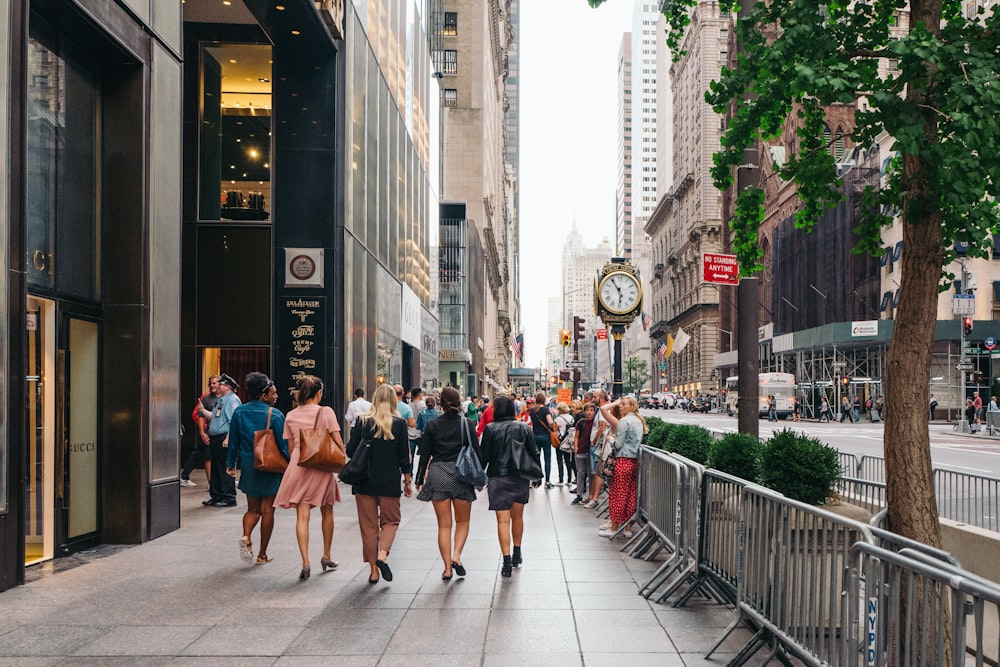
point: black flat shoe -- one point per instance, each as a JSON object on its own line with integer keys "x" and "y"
{"x": 458, "y": 568}
{"x": 383, "y": 567}
{"x": 446, "y": 577}
{"x": 372, "y": 581}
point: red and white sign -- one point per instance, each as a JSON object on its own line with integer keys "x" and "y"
{"x": 602, "y": 334}
{"x": 721, "y": 269}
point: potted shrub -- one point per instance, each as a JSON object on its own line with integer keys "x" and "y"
{"x": 737, "y": 454}
{"x": 690, "y": 441}
{"x": 799, "y": 467}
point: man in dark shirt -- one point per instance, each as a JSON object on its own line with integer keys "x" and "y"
{"x": 584, "y": 423}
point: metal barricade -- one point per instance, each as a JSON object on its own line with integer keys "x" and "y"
{"x": 872, "y": 468}
{"x": 992, "y": 423}
{"x": 660, "y": 509}
{"x": 967, "y": 498}
{"x": 912, "y": 609}
{"x": 718, "y": 543}
{"x": 862, "y": 493}
{"x": 849, "y": 465}
{"x": 791, "y": 577}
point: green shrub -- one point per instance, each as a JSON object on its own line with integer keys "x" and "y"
{"x": 658, "y": 432}
{"x": 690, "y": 441}
{"x": 738, "y": 454}
{"x": 799, "y": 467}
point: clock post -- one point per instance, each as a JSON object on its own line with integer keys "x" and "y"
{"x": 617, "y": 301}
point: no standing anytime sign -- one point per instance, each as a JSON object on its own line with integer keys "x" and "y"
{"x": 721, "y": 269}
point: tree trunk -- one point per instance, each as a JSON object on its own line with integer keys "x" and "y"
{"x": 909, "y": 478}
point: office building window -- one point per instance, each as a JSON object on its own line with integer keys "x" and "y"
{"x": 450, "y": 97}
{"x": 450, "y": 62}
{"x": 450, "y": 24}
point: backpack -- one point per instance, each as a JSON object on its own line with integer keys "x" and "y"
{"x": 567, "y": 432}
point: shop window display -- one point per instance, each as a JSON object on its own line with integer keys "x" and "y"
{"x": 235, "y": 145}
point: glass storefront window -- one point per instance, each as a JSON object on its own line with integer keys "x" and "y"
{"x": 235, "y": 150}
{"x": 62, "y": 223}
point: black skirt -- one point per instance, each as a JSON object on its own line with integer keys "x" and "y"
{"x": 442, "y": 485}
{"x": 507, "y": 490}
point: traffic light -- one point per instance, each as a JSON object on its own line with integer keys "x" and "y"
{"x": 565, "y": 340}
{"x": 845, "y": 380}
{"x": 967, "y": 325}
{"x": 578, "y": 325}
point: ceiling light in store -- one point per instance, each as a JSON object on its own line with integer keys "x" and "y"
{"x": 280, "y": 8}
{"x": 263, "y": 80}
{"x": 267, "y": 166}
{"x": 296, "y": 32}
{"x": 232, "y": 61}
{"x": 238, "y": 140}
{"x": 252, "y": 152}
{"x": 227, "y": 2}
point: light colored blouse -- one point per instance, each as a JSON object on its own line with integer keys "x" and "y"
{"x": 628, "y": 436}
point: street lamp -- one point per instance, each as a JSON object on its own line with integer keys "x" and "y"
{"x": 730, "y": 334}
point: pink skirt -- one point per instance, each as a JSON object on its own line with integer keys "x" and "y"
{"x": 305, "y": 486}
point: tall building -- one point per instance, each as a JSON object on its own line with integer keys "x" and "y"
{"x": 472, "y": 58}
{"x": 623, "y": 223}
{"x": 686, "y": 221}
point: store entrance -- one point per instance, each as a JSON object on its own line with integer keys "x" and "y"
{"x": 61, "y": 493}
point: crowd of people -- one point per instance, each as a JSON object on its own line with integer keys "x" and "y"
{"x": 415, "y": 440}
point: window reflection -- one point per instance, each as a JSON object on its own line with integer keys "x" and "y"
{"x": 236, "y": 132}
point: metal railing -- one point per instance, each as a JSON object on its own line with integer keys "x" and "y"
{"x": 791, "y": 574}
{"x": 911, "y": 609}
{"x": 718, "y": 544}
{"x": 863, "y": 493}
{"x": 849, "y": 465}
{"x": 872, "y": 468}
{"x": 968, "y": 498}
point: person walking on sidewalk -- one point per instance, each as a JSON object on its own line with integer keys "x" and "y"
{"x": 306, "y": 488}
{"x": 200, "y": 457}
{"x": 222, "y": 487}
{"x": 845, "y": 410}
{"x": 511, "y": 458}
{"x": 440, "y": 445}
{"x": 541, "y": 425}
{"x": 259, "y": 487}
{"x": 377, "y": 498}
{"x": 824, "y": 411}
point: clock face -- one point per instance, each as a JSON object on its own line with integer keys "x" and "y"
{"x": 619, "y": 292}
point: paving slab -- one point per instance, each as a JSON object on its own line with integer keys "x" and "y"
{"x": 187, "y": 599}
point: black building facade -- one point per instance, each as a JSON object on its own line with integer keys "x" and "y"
{"x": 90, "y": 118}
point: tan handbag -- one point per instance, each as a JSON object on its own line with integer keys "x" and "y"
{"x": 318, "y": 449}
{"x": 266, "y": 455}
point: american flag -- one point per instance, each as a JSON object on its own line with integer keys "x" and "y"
{"x": 661, "y": 350}
{"x": 515, "y": 346}
{"x": 646, "y": 321}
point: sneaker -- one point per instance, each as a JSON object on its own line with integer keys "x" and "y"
{"x": 572, "y": 489}
{"x": 603, "y": 526}
{"x": 577, "y": 500}
{"x": 188, "y": 483}
{"x": 548, "y": 485}
{"x": 628, "y": 534}
{"x": 607, "y": 532}
{"x": 590, "y": 504}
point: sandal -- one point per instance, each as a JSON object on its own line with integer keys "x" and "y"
{"x": 261, "y": 560}
{"x": 246, "y": 549}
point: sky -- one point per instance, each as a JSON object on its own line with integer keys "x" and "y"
{"x": 568, "y": 142}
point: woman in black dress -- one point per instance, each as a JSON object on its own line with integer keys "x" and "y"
{"x": 511, "y": 459}
{"x": 440, "y": 445}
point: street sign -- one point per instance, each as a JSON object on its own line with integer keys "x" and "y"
{"x": 964, "y": 367}
{"x": 576, "y": 364}
{"x": 963, "y": 304}
{"x": 720, "y": 269}
{"x": 602, "y": 334}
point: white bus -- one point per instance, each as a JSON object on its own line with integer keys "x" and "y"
{"x": 780, "y": 385}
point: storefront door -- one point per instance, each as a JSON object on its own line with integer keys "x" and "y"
{"x": 61, "y": 499}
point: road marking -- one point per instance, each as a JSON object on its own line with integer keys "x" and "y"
{"x": 952, "y": 465}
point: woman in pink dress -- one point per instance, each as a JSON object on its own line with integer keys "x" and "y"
{"x": 305, "y": 488}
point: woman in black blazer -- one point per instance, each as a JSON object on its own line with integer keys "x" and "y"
{"x": 377, "y": 498}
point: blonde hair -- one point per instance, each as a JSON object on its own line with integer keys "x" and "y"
{"x": 631, "y": 405}
{"x": 562, "y": 408}
{"x": 382, "y": 410}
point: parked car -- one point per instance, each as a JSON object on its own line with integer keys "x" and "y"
{"x": 700, "y": 404}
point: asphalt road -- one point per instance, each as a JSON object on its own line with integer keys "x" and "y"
{"x": 973, "y": 454}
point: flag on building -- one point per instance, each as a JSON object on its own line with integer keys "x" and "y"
{"x": 668, "y": 349}
{"x": 516, "y": 344}
{"x": 646, "y": 321}
{"x": 661, "y": 350}
{"x": 680, "y": 340}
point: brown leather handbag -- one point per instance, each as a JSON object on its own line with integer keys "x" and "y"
{"x": 318, "y": 449}
{"x": 266, "y": 455}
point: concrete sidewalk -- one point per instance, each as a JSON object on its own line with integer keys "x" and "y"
{"x": 187, "y": 599}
